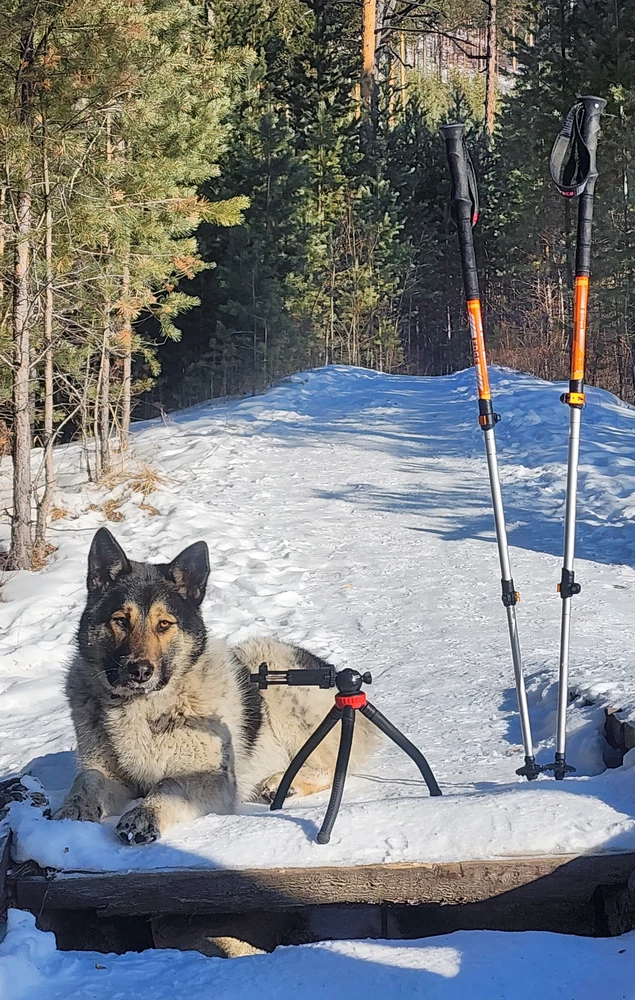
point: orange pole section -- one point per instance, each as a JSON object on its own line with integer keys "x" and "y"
{"x": 478, "y": 347}
{"x": 578, "y": 348}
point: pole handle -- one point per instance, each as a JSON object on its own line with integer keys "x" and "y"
{"x": 464, "y": 202}
{"x": 590, "y": 130}
{"x": 593, "y": 108}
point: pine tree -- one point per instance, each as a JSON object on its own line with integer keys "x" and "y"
{"x": 113, "y": 116}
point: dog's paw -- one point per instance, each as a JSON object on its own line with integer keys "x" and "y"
{"x": 308, "y": 785}
{"x": 268, "y": 789}
{"x": 78, "y": 807}
{"x": 138, "y": 826}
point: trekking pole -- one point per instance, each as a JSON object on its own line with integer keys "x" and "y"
{"x": 465, "y": 212}
{"x": 574, "y": 171}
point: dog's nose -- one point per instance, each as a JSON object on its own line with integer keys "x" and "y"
{"x": 139, "y": 671}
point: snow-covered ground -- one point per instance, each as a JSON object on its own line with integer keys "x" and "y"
{"x": 468, "y": 965}
{"x": 349, "y": 511}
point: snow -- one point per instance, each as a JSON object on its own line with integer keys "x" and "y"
{"x": 480, "y": 964}
{"x": 348, "y": 510}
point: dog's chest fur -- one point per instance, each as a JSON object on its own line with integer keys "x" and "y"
{"x": 144, "y": 735}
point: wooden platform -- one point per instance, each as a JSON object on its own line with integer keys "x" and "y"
{"x": 619, "y": 733}
{"x": 565, "y": 880}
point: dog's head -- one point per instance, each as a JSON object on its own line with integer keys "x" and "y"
{"x": 142, "y": 623}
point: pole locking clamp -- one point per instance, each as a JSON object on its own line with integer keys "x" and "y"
{"x": 567, "y": 586}
{"x": 573, "y": 399}
{"x": 510, "y": 596}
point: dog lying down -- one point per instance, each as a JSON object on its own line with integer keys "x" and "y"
{"x": 165, "y": 713}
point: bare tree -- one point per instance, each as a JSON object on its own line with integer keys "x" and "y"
{"x": 369, "y": 21}
{"x": 125, "y": 338}
{"x": 44, "y": 503}
{"x": 491, "y": 72}
{"x": 104, "y": 396}
{"x": 21, "y": 551}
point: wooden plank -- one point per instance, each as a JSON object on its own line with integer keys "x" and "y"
{"x": 619, "y": 733}
{"x": 5, "y": 853}
{"x": 573, "y": 878}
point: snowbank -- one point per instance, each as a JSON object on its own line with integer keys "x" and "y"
{"x": 349, "y": 511}
{"x": 483, "y": 965}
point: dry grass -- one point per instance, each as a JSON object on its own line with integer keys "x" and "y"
{"x": 149, "y": 509}
{"x": 58, "y": 514}
{"x": 143, "y": 479}
{"x": 111, "y": 510}
{"x": 112, "y": 479}
{"x": 146, "y": 480}
{"x": 41, "y": 555}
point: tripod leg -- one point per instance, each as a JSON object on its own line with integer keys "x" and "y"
{"x": 343, "y": 755}
{"x": 385, "y": 725}
{"x": 304, "y": 753}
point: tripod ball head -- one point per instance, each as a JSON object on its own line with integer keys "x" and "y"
{"x": 350, "y": 681}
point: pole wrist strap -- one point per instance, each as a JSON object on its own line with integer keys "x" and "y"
{"x": 475, "y": 208}
{"x": 570, "y": 162}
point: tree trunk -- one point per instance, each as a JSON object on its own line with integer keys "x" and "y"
{"x": 369, "y": 18}
{"x": 491, "y": 70}
{"x": 97, "y": 464}
{"x": 44, "y": 504}
{"x": 402, "y": 70}
{"x": 104, "y": 398}
{"x": 3, "y": 212}
{"x": 21, "y": 552}
{"x": 330, "y": 330}
{"x": 126, "y": 346}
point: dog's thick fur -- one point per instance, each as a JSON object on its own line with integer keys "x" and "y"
{"x": 166, "y": 714}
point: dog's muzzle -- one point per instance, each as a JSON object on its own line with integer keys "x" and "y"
{"x": 139, "y": 671}
{"x": 136, "y": 676}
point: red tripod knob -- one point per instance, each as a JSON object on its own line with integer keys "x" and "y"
{"x": 350, "y": 700}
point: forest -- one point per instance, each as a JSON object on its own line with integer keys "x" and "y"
{"x": 198, "y": 197}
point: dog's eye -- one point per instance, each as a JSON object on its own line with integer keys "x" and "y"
{"x": 120, "y": 620}
{"x": 164, "y": 625}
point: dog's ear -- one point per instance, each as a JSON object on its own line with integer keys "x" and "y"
{"x": 189, "y": 571}
{"x": 106, "y": 561}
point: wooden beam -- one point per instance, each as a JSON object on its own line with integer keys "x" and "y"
{"x": 5, "y": 853}
{"x": 566, "y": 878}
{"x": 620, "y": 733}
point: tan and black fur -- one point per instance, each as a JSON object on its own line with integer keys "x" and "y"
{"x": 164, "y": 713}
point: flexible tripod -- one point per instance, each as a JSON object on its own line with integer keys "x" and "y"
{"x": 350, "y": 699}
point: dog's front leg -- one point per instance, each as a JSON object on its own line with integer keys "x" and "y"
{"x": 92, "y": 796}
{"x": 177, "y": 800}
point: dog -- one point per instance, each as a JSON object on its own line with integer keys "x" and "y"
{"x": 165, "y": 713}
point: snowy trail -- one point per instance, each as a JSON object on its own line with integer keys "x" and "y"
{"x": 484, "y": 964}
{"x": 349, "y": 511}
